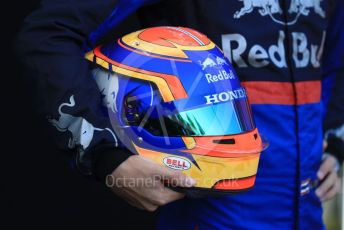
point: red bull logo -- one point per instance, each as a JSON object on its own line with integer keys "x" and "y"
{"x": 303, "y": 7}
{"x": 272, "y": 7}
{"x": 221, "y": 76}
{"x": 209, "y": 62}
{"x": 265, "y": 7}
{"x": 304, "y": 54}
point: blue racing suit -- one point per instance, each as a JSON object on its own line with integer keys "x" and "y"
{"x": 276, "y": 47}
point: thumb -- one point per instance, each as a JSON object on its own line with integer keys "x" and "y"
{"x": 175, "y": 178}
{"x": 324, "y": 145}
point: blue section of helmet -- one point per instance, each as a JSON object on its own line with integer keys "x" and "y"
{"x": 158, "y": 143}
{"x": 209, "y": 72}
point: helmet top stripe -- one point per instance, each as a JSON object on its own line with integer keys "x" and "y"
{"x": 188, "y": 33}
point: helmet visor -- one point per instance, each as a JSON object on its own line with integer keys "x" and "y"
{"x": 210, "y": 115}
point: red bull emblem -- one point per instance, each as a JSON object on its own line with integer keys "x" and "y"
{"x": 273, "y": 7}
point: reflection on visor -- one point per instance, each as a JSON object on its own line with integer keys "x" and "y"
{"x": 226, "y": 118}
{"x": 219, "y": 119}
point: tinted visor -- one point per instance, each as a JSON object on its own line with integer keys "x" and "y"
{"x": 189, "y": 117}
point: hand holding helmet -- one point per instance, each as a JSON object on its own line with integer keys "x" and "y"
{"x": 140, "y": 182}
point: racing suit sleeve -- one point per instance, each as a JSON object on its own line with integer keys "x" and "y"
{"x": 333, "y": 67}
{"x": 50, "y": 48}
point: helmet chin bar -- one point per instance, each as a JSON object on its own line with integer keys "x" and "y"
{"x": 214, "y": 173}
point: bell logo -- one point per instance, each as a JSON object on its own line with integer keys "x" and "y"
{"x": 177, "y": 163}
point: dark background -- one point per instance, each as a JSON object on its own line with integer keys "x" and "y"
{"x": 39, "y": 189}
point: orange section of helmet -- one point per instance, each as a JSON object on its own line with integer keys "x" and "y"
{"x": 236, "y": 184}
{"x": 168, "y": 36}
{"x": 173, "y": 82}
{"x": 189, "y": 142}
{"x": 200, "y": 36}
{"x": 246, "y": 143}
{"x": 145, "y": 53}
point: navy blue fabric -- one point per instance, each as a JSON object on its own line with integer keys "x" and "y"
{"x": 333, "y": 81}
{"x": 121, "y": 11}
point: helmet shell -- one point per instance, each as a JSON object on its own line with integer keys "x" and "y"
{"x": 179, "y": 66}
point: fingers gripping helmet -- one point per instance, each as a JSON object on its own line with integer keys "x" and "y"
{"x": 174, "y": 98}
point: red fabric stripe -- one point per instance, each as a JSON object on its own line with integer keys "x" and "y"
{"x": 266, "y": 92}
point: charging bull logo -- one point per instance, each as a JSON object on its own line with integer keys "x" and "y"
{"x": 82, "y": 131}
{"x": 303, "y": 6}
{"x": 265, "y": 7}
{"x": 221, "y": 61}
{"x": 272, "y": 7}
{"x": 209, "y": 62}
{"x": 108, "y": 85}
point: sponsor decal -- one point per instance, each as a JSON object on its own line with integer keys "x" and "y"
{"x": 212, "y": 62}
{"x": 264, "y": 7}
{"x": 82, "y": 131}
{"x": 303, "y": 7}
{"x": 305, "y": 187}
{"x": 303, "y": 54}
{"x": 272, "y": 7}
{"x": 220, "y": 74}
{"x": 208, "y": 62}
{"x": 177, "y": 163}
{"x": 225, "y": 96}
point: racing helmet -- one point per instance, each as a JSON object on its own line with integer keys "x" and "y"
{"x": 173, "y": 97}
